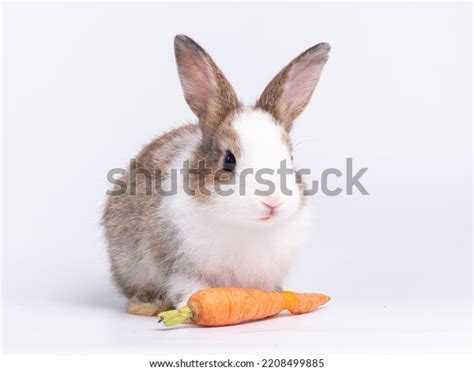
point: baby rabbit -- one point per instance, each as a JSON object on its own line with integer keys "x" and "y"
{"x": 215, "y": 230}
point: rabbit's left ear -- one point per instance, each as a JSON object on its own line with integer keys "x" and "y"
{"x": 287, "y": 95}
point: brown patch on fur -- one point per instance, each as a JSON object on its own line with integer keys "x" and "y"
{"x": 301, "y": 188}
{"x": 272, "y": 99}
{"x": 147, "y": 156}
{"x": 206, "y": 164}
{"x": 286, "y": 139}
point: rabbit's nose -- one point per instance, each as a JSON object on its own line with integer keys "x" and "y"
{"x": 272, "y": 201}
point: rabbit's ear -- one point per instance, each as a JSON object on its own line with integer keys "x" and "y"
{"x": 286, "y": 96}
{"x": 206, "y": 90}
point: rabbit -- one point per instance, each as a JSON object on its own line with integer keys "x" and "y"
{"x": 164, "y": 247}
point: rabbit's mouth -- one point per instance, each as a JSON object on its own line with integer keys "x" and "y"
{"x": 270, "y": 209}
{"x": 270, "y": 214}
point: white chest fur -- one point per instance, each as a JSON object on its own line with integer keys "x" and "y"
{"x": 234, "y": 256}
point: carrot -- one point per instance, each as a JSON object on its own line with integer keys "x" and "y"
{"x": 230, "y": 306}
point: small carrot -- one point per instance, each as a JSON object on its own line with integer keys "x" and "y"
{"x": 230, "y": 306}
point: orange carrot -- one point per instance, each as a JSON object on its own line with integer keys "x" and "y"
{"x": 230, "y": 306}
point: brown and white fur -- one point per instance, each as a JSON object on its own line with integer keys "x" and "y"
{"x": 163, "y": 248}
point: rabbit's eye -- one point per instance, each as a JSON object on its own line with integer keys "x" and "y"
{"x": 229, "y": 161}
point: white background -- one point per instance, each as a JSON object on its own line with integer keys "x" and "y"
{"x": 84, "y": 86}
